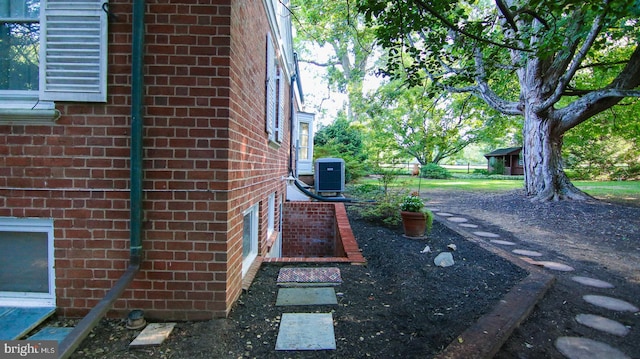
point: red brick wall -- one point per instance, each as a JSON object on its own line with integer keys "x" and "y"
{"x": 206, "y": 160}
{"x": 257, "y": 167}
{"x": 309, "y": 230}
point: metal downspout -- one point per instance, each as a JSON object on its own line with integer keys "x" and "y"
{"x": 82, "y": 329}
{"x": 293, "y": 147}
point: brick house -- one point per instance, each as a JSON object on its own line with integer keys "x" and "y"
{"x": 195, "y": 113}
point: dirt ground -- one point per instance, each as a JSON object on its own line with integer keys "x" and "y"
{"x": 400, "y": 305}
{"x": 599, "y": 239}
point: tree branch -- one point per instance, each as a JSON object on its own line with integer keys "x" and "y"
{"x": 487, "y": 94}
{"x": 319, "y": 64}
{"x": 576, "y": 62}
{"x": 455, "y": 28}
{"x": 502, "y": 7}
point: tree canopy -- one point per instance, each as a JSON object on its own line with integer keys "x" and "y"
{"x": 553, "y": 63}
{"x": 411, "y": 123}
{"x": 337, "y": 27}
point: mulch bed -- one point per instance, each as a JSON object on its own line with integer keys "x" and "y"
{"x": 399, "y": 305}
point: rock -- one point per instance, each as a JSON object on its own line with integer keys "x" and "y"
{"x": 426, "y": 249}
{"x": 444, "y": 259}
{"x": 452, "y": 247}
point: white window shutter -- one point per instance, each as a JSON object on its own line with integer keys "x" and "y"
{"x": 73, "y": 42}
{"x": 271, "y": 87}
{"x": 281, "y": 105}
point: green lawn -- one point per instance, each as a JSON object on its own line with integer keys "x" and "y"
{"x": 622, "y": 191}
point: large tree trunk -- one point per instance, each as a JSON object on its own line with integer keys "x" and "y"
{"x": 543, "y": 170}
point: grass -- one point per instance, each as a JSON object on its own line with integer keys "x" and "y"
{"x": 458, "y": 184}
{"x": 617, "y": 191}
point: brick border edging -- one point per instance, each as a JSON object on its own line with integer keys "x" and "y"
{"x": 486, "y": 336}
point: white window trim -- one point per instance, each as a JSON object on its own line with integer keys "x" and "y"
{"x": 24, "y": 299}
{"x": 304, "y": 166}
{"x": 281, "y": 102}
{"x": 270, "y": 89}
{"x": 248, "y": 260}
{"x": 271, "y": 214}
{"x": 24, "y": 106}
{"x": 61, "y": 79}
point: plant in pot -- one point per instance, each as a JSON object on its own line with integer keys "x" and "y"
{"x": 416, "y": 220}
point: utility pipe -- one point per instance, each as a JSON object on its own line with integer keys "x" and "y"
{"x": 82, "y": 329}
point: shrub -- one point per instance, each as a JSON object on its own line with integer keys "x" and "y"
{"x": 384, "y": 210}
{"x": 433, "y": 171}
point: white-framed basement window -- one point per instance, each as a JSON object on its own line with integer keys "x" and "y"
{"x": 271, "y": 214}
{"x": 249, "y": 238}
{"x": 50, "y": 50}
{"x": 27, "y": 276}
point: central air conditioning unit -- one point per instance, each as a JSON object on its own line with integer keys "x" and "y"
{"x": 329, "y": 175}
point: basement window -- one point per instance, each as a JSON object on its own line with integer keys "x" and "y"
{"x": 249, "y": 238}
{"x": 27, "y": 276}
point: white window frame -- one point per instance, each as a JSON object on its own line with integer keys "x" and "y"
{"x": 281, "y": 109}
{"x": 271, "y": 83}
{"x": 247, "y": 261}
{"x": 275, "y": 86}
{"x": 304, "y": 166}
{"x": 276, "y": 249}
{"x": 28, "y": 299}
{"x": 73, "y": 63}
{"x": 271, "y": 214}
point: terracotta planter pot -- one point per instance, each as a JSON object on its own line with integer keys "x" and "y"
{"x": 414, "y": 223}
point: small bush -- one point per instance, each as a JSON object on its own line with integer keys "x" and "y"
{"x": 365, "y": 191}
{"x": 627, "y": 173}
{"x": 433, "y": 171}
{"x": 384, "y": 210}
{"x": 480, "y": 171}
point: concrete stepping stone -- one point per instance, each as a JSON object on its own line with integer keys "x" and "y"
{"x": 556, "y": 266}
{"x": 153, "y": 335}
{"x": 306, "y": 296}
{"x": 524, "y": 252}
{"x": 504, "y": 243}
{"x": 486, "y": 234}
{"x": 306, "y": 331}
{"x": 615, "y": 304}
{"x": 468, "y": 225}
{"x": 583, "y": 348}
{"x": 328, "y": 276}
{"x": 457, "y": 219}
{"x": 603, "y": 324}
{"x": 532, "y": 261}
{"x": 592, "y": 282}
{"x": 444, "y": 214}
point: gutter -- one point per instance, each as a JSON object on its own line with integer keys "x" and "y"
{"x": 72, "y": 341}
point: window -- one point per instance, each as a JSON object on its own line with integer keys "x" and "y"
{"x": 50, "y": 50}
{"x": 275, "y": 95}
{"x": 303, "y": 150}
{"x": 271, "y": 214}
{"x": 19, "y": 44}
{"x": 249, "y": 238}
{"x": 271, "y": 88}
{"x": 304, "y": 143}
{"x": 280, "y": 116}
{"x": 27, "y": 277}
